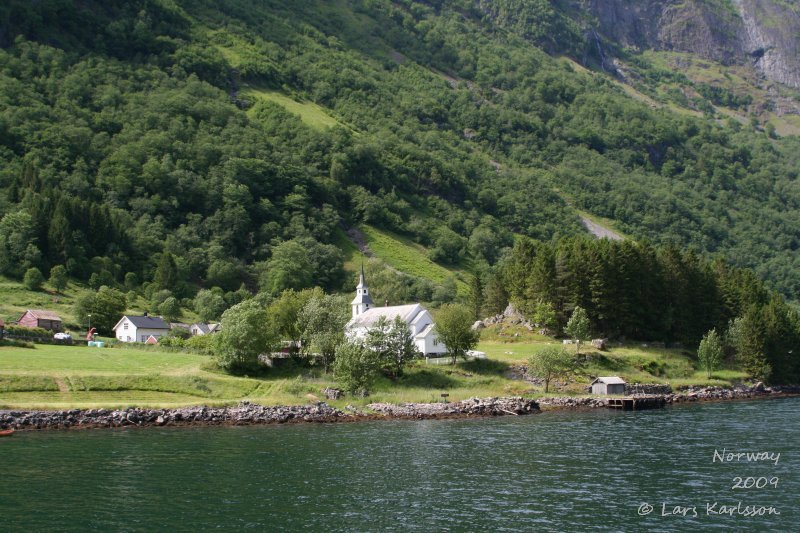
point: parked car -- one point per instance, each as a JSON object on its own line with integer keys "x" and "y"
{"x": 61, "y": 336}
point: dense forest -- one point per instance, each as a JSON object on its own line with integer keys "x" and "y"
{"x": 639, "y": 291}
{"x": 142, "y": 147}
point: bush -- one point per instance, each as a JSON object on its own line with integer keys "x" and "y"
{"x": 202, "y": 344}
{"x": 16, "y": 343}
{"x": 28, "y": 333}
{"x": 245, "y": 335}
{"x": 356, "y": 368}
{"x": 33, "y": 279}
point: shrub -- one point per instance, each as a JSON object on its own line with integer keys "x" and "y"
{"x": 29, "y": 333}
{"x": 356, "y": 368}
{"x": 33, "y": 279}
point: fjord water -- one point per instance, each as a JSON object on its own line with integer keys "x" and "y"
{"x": 558, "y": 471}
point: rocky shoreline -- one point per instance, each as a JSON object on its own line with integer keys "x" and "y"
{"x": 246, "y": 413}
{"x": 471, "y": 407}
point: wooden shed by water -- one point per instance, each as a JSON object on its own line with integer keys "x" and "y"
{"x": 608, "y": 385}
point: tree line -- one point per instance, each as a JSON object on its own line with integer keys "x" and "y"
{"x": 640, "y": 291}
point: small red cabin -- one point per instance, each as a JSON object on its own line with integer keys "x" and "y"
{"x": 39, "y": 318}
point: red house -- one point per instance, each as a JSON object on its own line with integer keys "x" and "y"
{"x": 38, "y": 318}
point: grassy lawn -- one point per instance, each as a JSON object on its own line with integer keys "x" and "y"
{"x": 61, "y": 377}
{"x": 634, "y": 363}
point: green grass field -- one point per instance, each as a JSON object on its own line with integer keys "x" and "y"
{"x": 310, "y": 113}
{"x": 407, "y": 256}
{"x": 60, "y": 377}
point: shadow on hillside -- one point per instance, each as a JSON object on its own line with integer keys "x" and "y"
{"x": 427, "y": 379}
{"x": 486, "y": 367}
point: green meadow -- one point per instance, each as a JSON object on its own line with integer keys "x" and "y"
{"x": 62, "y": 377}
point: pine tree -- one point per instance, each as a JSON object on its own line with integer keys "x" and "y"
{"x": 166, "y": 275}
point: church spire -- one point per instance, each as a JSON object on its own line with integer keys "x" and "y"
{"x": 362, "y": 301}
{"x": 362, "y": 284}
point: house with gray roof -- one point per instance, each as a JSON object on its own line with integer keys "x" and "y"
{"x": 140, "y": 328}
{"x": 202, "y": 328}
{"x": 419, "y": 320}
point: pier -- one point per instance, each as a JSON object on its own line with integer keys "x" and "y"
{"x": 635, "y": 403}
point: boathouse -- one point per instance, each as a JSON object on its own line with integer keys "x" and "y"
{"x": 608, "y": 385}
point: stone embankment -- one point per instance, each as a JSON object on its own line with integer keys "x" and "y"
{"x": 471, "y": 407}
{"x": 566, "y": 402}
{"x": 243, "y": 414}
{"x": 689, "y": 394}
{"x": 693, "y": 394}
{"x": 246, "y": 413}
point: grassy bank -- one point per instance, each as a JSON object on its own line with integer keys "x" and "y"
{"x": 60, "y": 377}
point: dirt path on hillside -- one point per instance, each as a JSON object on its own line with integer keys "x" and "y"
{"x": 599, "y": 231}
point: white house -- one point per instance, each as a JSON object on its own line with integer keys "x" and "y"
{"x": 419, "y": 320}
{"x": 201, "y": 328}
{"x": 140, "y": 328}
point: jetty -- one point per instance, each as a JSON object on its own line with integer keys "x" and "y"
{"x": 635, "y": 403}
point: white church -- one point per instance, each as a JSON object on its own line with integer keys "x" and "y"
{"x": 419, "y": 320}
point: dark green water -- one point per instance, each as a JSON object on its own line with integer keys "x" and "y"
{"x": 549, "y": 472}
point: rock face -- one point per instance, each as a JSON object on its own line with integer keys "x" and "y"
{"x": 771, "y": 37}
{"x": 764, "y": 33}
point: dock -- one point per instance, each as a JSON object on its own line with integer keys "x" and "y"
{"x": 635, "y": 403}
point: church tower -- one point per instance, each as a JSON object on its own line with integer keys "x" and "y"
{"x": 362, "y": 301}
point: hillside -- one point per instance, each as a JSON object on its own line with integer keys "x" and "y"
{"x": 233, "y": 142}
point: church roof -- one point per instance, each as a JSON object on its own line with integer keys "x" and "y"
{"x": 425, "y": 332}
{"x": 370, "y": 316}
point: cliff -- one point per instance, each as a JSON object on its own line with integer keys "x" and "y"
{"x": 761, "y": 33}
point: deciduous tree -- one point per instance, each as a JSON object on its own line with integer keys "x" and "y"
{"x": 548, "y": 363}
{"x": 454, "y": 327}
{"x": 578, "y": 327}
{"x": 709, "y": 353}
{"x": 33, "y": 279}
{"x": 356, "y": 367}
{"x": 58, "y": 278}
{"x": 247, "y": 332}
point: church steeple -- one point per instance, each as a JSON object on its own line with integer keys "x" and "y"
{"x": 362, "y": 301}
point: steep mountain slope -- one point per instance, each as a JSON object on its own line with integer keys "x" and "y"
{"x": 237, "y": 137}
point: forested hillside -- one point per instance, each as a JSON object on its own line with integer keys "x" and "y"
{"x": 180, "y": 145}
